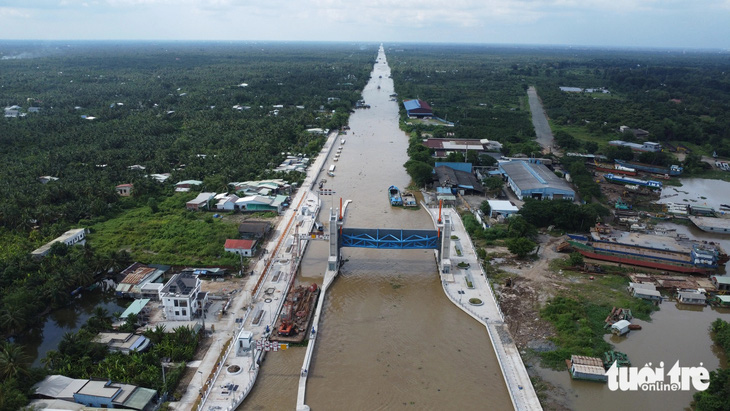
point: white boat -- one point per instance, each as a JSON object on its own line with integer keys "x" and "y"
{"x": 712, "y": 224}
{"x": 342, "y": 141}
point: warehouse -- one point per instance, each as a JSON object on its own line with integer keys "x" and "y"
{"x": 529, "y": 180}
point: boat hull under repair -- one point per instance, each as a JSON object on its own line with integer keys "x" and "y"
{"x": 641, "y": 263}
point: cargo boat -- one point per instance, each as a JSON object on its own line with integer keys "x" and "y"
{"x": 673, "y": 170}
{"x": 660, "y": 251}
{"x": 394, "y": 196}
{"x": 409, "y": 200}
{"x": 612, "y": 178}
{"x": 615, "y": 168}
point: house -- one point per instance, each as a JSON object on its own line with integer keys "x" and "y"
{"x": 456, "y": 177}
{"x": 139, "y": 308}
{"x": 254, "y": 230}
{"x": 70, "y": 238}
{"x": 200, "y": 202}
{"x": 637, "y": 132}
{"x": 529, "y": 180}
{"x": 124, "y": 190}
{"x": 417, "y": 108}
{"x": 34, "y": 109}
{"x": 136, "y": 167}
{"x": 586, "y": 368}
{"x": 208, "y": 272}
{"x": 644, "y": 291}
{"x": 259, "y": 203}
{"x": 620, "y": 327}
{"x": 226, "y": 201}
{"x": 243, "y": 247}
{"x": 160, "y": 178}
{"x": 96, "y": 393}
{"x": 501, "y": 208}
{"x": 124, "y": 343}
{"x": 721, "y": 282}
{"x": 186, "y": 185}
{"x": 46, "y": 179}
{"x": 182, "y": 299}
{"x": 442, "y": 147}
{"x": 691, "y": 297}
{"x": 136, "y": 276}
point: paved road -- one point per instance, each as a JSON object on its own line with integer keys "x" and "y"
{"x": 539, "y": 120}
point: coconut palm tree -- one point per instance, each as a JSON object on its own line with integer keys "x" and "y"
{"x": 13, "y": 361}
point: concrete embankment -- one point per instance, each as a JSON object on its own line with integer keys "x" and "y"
{"x": 468, "y": 287}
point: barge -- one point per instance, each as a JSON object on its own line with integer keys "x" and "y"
{"x": 711, "y": 224}
{"x": 612, "y": 178}
{"x": 614, "y": 168}
{"x": 673, "y": 170}
{"x": 296, "y": 316}
{"x": 394, "y": 196}
{"x": 659, "y": 251}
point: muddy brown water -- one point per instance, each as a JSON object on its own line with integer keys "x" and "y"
{"x": 390, "y": 337}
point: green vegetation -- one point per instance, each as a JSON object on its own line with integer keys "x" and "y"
{"x": 715, "y": 398}
{"x": 579, "y": 321}
{"x": 521, "y": 246}
{"x": 562, "y": 214}
{"x": 475, "y": 301}
{"x": 172, "y": 235}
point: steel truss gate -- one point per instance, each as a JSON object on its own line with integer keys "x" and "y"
{"x": 390, "y": 238}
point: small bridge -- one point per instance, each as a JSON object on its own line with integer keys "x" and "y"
{"x": 390, "y": 238}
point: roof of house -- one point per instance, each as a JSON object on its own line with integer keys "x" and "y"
{"x": 529, "y": 176}
{"x": 721, "y": 279}
{"x": 201, "y": 198}
{"x": 620, "y": 324}
{"x": 239, "y": 244}
{"x": 135, "y": 308}
{"x": 416, "y": 105}
{"x": 138, "y": 275}
{"x": 55, "y": 405}
{"x": 465, "y": 167}
{"x": 502, "y": 205}
{"x": 584, "y": 360}
{"x": 182, "y": 283}
{"x": 254, "y": 227}
{"x": 256, "y": 200}
{"x": 58, "y": 386}
{"x": 125, "y": 185}
{"x": 189, "y": 182}
{"x": 139, "y": 398}
{"x": 691, "y": 295}
{"x": 447, "y": 176}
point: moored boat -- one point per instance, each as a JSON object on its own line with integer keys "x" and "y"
{"x": 394, "y": 196}
{"x": 409, "y": 200}
{"x": 615, "y": 168}
{"x": 711, "y": 224}
{"x": 673, "y": 170}
{"x": 612, "y": 178}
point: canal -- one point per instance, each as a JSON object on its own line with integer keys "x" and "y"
{"x": 42, "y": 339}
{"x": 390, "y": 337}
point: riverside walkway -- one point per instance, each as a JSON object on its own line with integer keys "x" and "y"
{"x": 456, "y": 285}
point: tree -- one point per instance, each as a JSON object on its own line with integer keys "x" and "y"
{"x": 13, "y": 361}
{"x": 590, "y": 147}
{"x": 485, "y": 208}
{"x": 520, "y": 246}
{"x": 493, "y": 183}
{"x": 575, "y": 259}
{"x": 420, "y": 172}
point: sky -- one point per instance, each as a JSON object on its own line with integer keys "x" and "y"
{"x": 688, "y": 24}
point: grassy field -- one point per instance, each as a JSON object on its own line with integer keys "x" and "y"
{"x": 172, "y": 235}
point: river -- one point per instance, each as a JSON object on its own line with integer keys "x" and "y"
{"x": 390, "y": 337}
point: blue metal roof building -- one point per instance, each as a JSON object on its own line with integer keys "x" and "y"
{"x": 417, "y": 108}
{"x": 529, "y": 180}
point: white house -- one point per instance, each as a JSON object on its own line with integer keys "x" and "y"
{"x": 226, "y": 201}
{"x": 244, "y": 247}
{"x": 181, "y": 298}
{"x": 70, "y": 238}
{"x": 200, "y": 202}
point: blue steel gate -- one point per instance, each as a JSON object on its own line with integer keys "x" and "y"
{"x": 389, "y": 238}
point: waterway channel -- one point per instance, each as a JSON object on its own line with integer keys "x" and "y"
{"x": 389, "y": 336}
